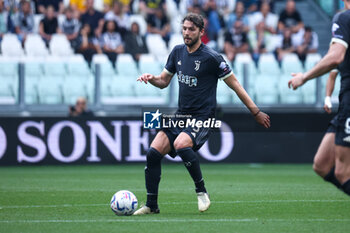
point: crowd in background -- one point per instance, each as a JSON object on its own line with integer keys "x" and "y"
{"x": 231, "y": 27}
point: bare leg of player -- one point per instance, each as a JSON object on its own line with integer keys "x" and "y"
{"x": 342, "y": 167}
{"x": 159, "y": 147}
{"x": 324, "y": 160}
{"x": 183, "y": 145}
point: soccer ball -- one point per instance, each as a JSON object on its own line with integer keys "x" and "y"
{"x": 124, "y": 202}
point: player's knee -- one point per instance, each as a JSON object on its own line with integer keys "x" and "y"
{"x": 320, "y": 169}
{"x": 341, "y": 175}
{"x": 181, "y": 144}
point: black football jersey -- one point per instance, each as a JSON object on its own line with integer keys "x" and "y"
{"x": 197, "y": 74}
{"x": 341, "y": 34}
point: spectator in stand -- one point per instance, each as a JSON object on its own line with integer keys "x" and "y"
{"x": 285, "y": 45}
{"x": 111, "y": 41}
{"x": 214, "y": 24}
{"x": 150, "y": 7}
{"x": 308, "y": 44}
{"x": 258, "y": 40}
{"x": 158, "y": 23}
{"x": 24, "y": 21}
{"x": 236, "y": 41}
{"x": 3, "y": 19}
{"x": 224, "y": 8}
{"x": 290, "y": 18}
{"x": 107, "y": 5}
{"x": 238, "y": 15}
{"x": 128, "y": 5}
{"x": 265, "y": 15}
{"x": 270, "y": 2}
{"x": 119, "y": 15}
{"x": 250, "y": 5}
{"x": 79, "y": 6}
{"x": 206, "y": 39}
{"x": 48, "y": 25}
{"x": 88, "y": 43}
{"x": 80, "y": 109}
{"x": 135, "y": 44}
{"x": 42, "y": 5}
{"x": 191, "y": 4}
{"x": 94, "y": 18}
{"x": 70, "y": 27}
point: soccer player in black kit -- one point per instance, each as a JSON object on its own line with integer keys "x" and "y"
{"x": 332, "y": 160}
{"x": 198, "y": 69}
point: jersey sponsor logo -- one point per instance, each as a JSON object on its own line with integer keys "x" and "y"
{"x": 151, "y": 120}
{"x": 186, "y": 79}
{"x": 179, "y": 63}
{"x": 198, "y": 64}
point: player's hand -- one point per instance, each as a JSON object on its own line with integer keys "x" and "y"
{"x": 296, "y": 81}
{"x": 263, "y": 119}
{"x": 145, "y": 78}
{"x": 328, "y": 105}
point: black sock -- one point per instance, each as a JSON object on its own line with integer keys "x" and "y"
{"x": 191, "y": 162}
{"x": 152, "y": 176}
{"x": 346, "y": 187}
{"x": 330, "y": 177}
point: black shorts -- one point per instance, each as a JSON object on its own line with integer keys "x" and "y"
{"x": 198, "y": 135}
{"x": 340, "y": 124}
{"x": 332, "y": 126}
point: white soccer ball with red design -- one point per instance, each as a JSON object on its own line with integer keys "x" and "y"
{"x": 124, "y": 202}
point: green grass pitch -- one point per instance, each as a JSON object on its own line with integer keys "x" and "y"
{"x": 245, "y": 198}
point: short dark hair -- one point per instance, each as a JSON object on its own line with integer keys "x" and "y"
{"x": 308, "y": 29}
{"x": 196, "y": 19}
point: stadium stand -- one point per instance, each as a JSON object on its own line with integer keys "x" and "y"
{"x": 55, "y": 74}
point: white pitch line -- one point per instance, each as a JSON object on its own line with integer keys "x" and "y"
{"x": 170, "y": 203}
{"x": 170, "y": 220}
{"x": 258, "y": 201}
{"x": 49, "y": 206}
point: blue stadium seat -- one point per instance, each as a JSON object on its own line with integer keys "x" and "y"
{"x": 107, "y": 69}
{"x": 11, "y": 46}
{"x": 50, "y": 90}
{"x": 31, "y": 89}
{"x": 55, "y": 66}
{"x": 291, "y": 64}
{"x": 126, "y": 66}
{"x": 148, "y": 64}
{"x": 224, "y": 94}
{"x": 309, "y": 92}
{"x": 77, "y": 66}
{"x": 311, "y": 60}
{"x": 8, "y": 80}
{"x": 74, "y": 87}
{"x": 8, "y": 91}
{"x": 266, "y": 91}
{"x": 123, "y": 86}
{"x": 244, "y": 60}
{"x": 287, "y": 95}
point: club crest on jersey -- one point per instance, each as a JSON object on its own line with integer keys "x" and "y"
{"x": 197, "y": 63}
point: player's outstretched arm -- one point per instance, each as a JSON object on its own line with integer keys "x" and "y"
{"x": 260, "y": 117}
{"x": 329, "y": 90}
{"x": 333, "y": 58}
{"x": 160, "y": 81}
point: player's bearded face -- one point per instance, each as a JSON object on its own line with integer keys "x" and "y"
{"x": 190, "y": 33}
